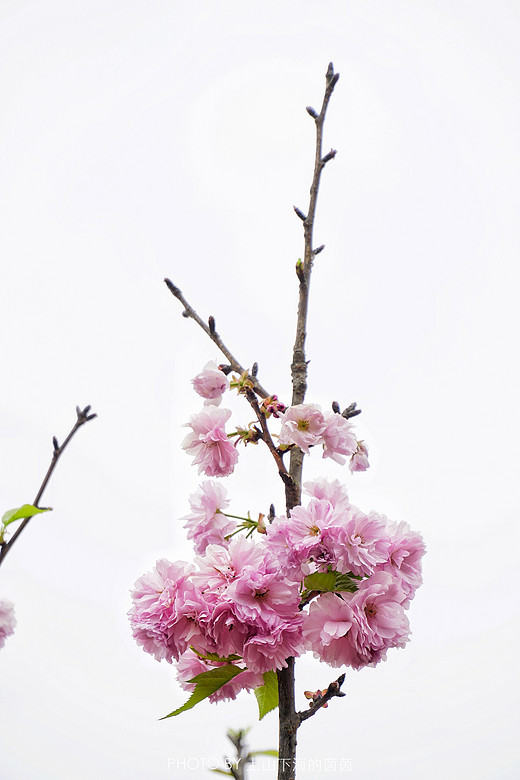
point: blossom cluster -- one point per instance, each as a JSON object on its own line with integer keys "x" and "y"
{"x": 327, "y": 578}
{"x": 304, "y": 425}
{"x": 249, "y": 600}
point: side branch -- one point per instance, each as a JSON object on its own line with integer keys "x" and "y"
{"x": 209, "y": 329}
{"x": 83, "y": 417}
{"x": 334, "y": 689}
{"x": 267, "y": 438}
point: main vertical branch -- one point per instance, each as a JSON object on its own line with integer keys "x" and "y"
{"x": 288, "y": 717}
{"x": 304, "y": 271}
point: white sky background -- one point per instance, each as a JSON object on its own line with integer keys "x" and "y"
{"x": 148, "y": 139}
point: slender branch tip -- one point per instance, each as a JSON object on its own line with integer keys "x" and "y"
{"x": 172, "y": 288}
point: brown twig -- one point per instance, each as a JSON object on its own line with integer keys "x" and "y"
{"x": 209, "y": 329}
{"x": 83, "y": 417}
{"x": 314, "y": 706}
{"x": 267, "y": 438}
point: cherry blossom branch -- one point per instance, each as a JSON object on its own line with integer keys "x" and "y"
{"x": 321, "y": 701}
{"x": 251, "y": 380}
{"x": 266, "y": 437}
{"x": 289, "y": 719}
{"x": 209, "y": 329}
{"x": 83, "y": 417}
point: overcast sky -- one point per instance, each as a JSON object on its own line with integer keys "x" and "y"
{"x": 140, "y": 140}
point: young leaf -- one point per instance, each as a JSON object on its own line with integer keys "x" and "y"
{"x": 345, "y": 582}
{"x": 324, "y": 581}
{"x": 267, "y": 694}
{"x": 27, "y": 510}
{"x": 273, "y": 753}
{"x": 206, "y": 684}
{"x": 216, "y": 657}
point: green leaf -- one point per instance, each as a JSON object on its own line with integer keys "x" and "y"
{"x": 27, "y": 510}
{"x": 267, "y": 694}
{"x": 216, "y": 657}
{"x": 273, "y": 753}
{"x": 206, "y": 684}
{"x": 330, "y": 581}
{"x": 345, "y": 582}
{"x": 321, "y": 580}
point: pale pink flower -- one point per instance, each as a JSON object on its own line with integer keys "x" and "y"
{"x": 227, "y": 629}
{"x": 333, "y": 491}
{"x": 261, "y": 596}
{"x": 207, "y": 524}
{"x": 338, "y": 438}
{"x": 303, "y": 425}
{"x": 405, "y": 559}
{"x": 359, "y": 460}
{"x": 289, "y": 559}
{"x": 362, "y": 542}
{"x": 211, "y": 383}
{"x": 356, "y": 629}
{"x": 154, "y": 608}
{"x": 384, "y": 624}
{"x": 327, "y": 627}
{"x": 268, "y": 649}
{"x": 7, "y": 620}
{"x": 307, "y": 540}
{"x": 213, "y": 452}
{"x": 219, "y": 565}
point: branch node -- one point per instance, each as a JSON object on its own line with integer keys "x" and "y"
{"x": 186, "y": 313}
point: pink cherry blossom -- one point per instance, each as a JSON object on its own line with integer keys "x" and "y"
{"x": 334, "y": 491}
{"x": 268, "y": 649}
{"x": 154, "y": 604}
{"x": 261, "y": 596}
{"x": 207, "y": 524}
{"x": 362, "y": 542}
{"x": 219, "y": 565}
{"x": 405, "y": 559}
{"x": 356, "y": 629}
{"x": 359, "y": 460}
{"x": 208, "y": 443}
{"x": 211, "y": 383}
{"x": 327, "y": 630}
{"x": 227, "y": 629}
{"x": 384, "y": 623}
{"x": 338, "y": 438}
{"x": 303, "y": 425}
{"x": 7, "y": 620}
{"x": 290, "y": 560}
